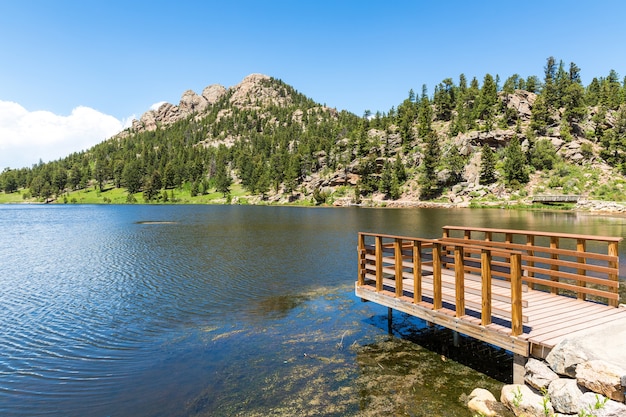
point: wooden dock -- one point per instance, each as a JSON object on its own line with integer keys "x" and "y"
{"x": 521, "y": 290}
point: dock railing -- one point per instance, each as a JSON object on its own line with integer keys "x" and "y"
{"x": 584, "y": 266}
{"x": 464, "y": 278}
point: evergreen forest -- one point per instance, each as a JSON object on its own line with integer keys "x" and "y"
{"x": 466, "y": 141}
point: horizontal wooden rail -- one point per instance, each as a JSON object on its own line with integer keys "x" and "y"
{"x": 550, "y": 263}
{"x": 393, "y": 261}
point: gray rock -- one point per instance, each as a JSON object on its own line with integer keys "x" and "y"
{"x": 538, "y": 374}
{"x": 601, "y": 377}
{"x": 565, "y": 356}
{"x": 565, "y": 396}
{"x": 523, "y": 401}
{"x": 599, "y": 406}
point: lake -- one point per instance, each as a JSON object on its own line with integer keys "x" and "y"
{"x": 142, "y": 310}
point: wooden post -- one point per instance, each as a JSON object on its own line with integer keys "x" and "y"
{"x": 581, "y": 247}
{"x": 417, "y": 271}
{"x": 361, "y": 268}
{"x": 397, "y": 251}
{"x": 485, "y": 271}
{"x": 379, "y": 263}
{"x": 530, "y": 241}
{"x": 519, "y": 365}
{"x": 516, "y": 295}
{"x": 554, "y": 244}
{"x": 459, "y": 278}
{"x": 613, "y": 251}
{"x": 437, "y": 290}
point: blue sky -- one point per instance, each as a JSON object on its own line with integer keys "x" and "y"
{"x": 72, "y": 73}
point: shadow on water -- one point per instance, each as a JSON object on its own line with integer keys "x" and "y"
{"x": 482, "y": 357}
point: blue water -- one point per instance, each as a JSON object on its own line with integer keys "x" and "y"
{"x": 208, "y": 310}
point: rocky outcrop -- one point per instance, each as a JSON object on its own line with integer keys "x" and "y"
{"x": 521, "y": 101}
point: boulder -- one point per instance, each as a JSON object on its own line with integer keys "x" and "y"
{"x": 538, "y": 374}
{"x": 601, "y": 377}
{"x": 523, "y": 401}
{"x": 565, "y": 395}
{"x": 599, "y": 406}
{"x": 565, "y": 356}
{"x": 484, "y": 403}
{"x": 590, "y": 345}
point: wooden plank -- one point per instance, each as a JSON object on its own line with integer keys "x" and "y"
{"x": 549, "y": 339}
{"x": 565, "y": 317}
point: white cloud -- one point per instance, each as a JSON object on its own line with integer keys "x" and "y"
{"x": 156, "y": 105}
{"x": 28, "y": 136}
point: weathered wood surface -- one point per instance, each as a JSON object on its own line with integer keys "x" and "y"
{"x": 484, "y": 287}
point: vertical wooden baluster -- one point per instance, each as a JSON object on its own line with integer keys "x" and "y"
{"x": 379, "y": 263}
{"x": 516, "y": 294}
{"x": 530, "y": 241}
{"x": 581, "y": 247}
{"x": 613, "y": 251}
{"x": 437, "y": 290}
{"x": 397, "y": 251}
{"x": 485, "y": 269}
{"x": 361, "y": 250}
{"x": 417, "y": 271}
{"x": 554, "y": 244}
{"x": 459, "y": 276}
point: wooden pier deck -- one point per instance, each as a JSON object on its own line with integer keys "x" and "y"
{"x": 520, "y": 290}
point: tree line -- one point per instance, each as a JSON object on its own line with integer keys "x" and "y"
{"x": 272, "y": 147}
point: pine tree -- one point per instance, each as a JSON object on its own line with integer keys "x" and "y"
{"x": 428, "y": 169}
{"x": 487, "y": 165}
{"x": 515, "y": 163}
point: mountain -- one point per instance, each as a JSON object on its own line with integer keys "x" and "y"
{"x": 261, "y": 141}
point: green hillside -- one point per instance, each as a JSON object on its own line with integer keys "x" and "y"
{"x": 261, "y": 142}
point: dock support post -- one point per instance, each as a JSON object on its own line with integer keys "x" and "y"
{"x": 389, "y": 319}
{"x": 455, "y": 339}
{"x": 519, "y": 363}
